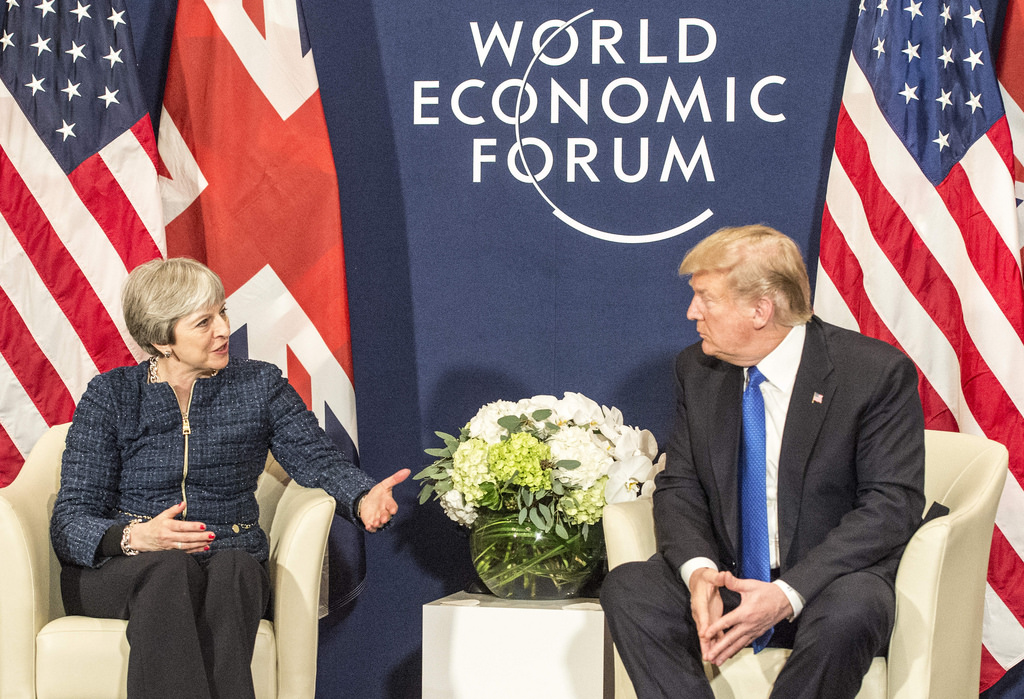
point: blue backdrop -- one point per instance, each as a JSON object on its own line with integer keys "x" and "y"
{"x": 645, "y": 127}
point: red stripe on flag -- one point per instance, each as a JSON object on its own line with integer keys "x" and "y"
{"x": 996, "y": 265}
{"x": 59, "y": 272}
{"x": 842, "y": 267}
{"x": 31, "y": 367}
{"x": 991, "y": 670}
{"x": 927, "y": 281}
{"x": 10, "y": 459}
{"x": 106, "y": 201}
{"x": 1006, "y": 570}
{"x": 299, "y": 378}
{"x": 143, "y": 132}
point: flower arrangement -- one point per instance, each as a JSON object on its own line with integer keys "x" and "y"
{"x": 554, "y": 461}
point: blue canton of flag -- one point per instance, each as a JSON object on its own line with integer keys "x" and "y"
{"x": 72, "y": 71}
{"x": 925, "y": 67}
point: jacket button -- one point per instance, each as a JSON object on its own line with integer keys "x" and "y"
{"x": 235, "y": 528}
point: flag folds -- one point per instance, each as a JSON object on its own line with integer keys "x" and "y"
{"x": 920, "y": 247}
{"x": 249, "y": 188}
{"x": 79, "y": 208}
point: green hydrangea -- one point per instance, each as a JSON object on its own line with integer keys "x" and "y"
{"x": 522, "y": 454}
{"x": 584, "y": 506}
{"x": 469, "y": 469}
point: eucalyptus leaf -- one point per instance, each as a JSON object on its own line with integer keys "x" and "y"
{"x": 537, "y": 521}
{"x": 439, "y": 452}
{"x": 425, "y": 473}
{"x": 567, "y": 464}
{"x": 540, "y": 415}
{"x": 527, "y": 497}
{"x": 425, "y": 493}
{"x": 510, "y": 423}
{"x": 443, "y": 487}
{"x": 522, "y": 515}
{"x": 556, "y": 487}
{"x": 560, "y": 530}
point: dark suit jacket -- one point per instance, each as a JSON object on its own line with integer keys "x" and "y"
{"x": 851, "y": 469}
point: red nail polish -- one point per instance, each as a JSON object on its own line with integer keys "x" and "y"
{"x": 202, "y": 527}
{"x": 211, "y": 535}
{"x": 206, "y": 548}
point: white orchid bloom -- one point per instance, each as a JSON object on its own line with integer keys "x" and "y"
{"x": 626, "y": 478}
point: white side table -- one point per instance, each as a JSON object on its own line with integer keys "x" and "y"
{"x": 479, "y": 646}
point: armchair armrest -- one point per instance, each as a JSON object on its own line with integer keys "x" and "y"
{"x": 298, "y": 538}
{"x": 629, "y": 531}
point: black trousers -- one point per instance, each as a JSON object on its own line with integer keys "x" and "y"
{"x": 192, "y": 622}
{"x": 834, "y": 639}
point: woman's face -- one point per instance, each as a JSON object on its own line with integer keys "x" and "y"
{"x": 201, "y": 339}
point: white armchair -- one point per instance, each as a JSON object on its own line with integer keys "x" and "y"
{"x": 47, "y": 655}
{"x": 935, "y": 650}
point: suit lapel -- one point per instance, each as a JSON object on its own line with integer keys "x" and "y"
{"x": 724, "y": 428}
{"x": 812, "y": 395}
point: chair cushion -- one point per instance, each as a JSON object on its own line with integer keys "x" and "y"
{"x": 749, "y": 676}
{"x": 80, "y": 657}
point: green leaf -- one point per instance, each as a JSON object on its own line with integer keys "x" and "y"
{"x": 446, "y": 437}
{"x": 510, "y": 423}
{"x": 537, "y": 521}
{"x": 586, "y": 530}
{"x": 522, "y": 515}
{"x": 439, "y": 453}
{"x": 425, "y": 493}
{"x": 527, "y": 497}
{"x": 568, "y": 464}
{"x": 560, "y": 530}
{"x": 556, "y": 487}
{"x": 551, "y": 427}
{"x": 425, "y": 473}
{"x": 540, "y": 415}
{"x": 442, "y": 487}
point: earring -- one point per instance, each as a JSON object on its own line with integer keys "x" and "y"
{"x": 167, "y": 354}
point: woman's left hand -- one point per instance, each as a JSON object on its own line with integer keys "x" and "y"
{"x": 378, "y": 506}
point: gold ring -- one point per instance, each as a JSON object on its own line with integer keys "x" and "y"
{"x": 179, "y": 545}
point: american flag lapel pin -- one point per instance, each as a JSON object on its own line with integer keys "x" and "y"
{"x": 817, "y": 398}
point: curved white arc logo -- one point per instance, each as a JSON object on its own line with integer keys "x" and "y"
{"x": 561, "y": 215}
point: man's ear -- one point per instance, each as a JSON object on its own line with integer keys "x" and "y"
{"x": 764, "y": 312}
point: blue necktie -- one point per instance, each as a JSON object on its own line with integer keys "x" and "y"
{"x": 755, "y": 559}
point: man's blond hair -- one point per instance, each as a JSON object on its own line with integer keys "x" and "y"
{"x": 758, "y": 262}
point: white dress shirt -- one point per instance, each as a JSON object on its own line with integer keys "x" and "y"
{"x": 779, "y": 369}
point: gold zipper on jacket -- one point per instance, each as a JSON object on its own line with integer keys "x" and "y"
{"x": 186, "y": 430}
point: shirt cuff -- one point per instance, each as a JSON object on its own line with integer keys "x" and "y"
{"x": 691, "y": 566}
{"x": 794, "y": 597}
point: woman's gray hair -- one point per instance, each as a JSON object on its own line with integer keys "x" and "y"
{"x": 159, "y": 293}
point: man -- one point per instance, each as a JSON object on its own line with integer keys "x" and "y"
{"x": 793, "y": 482}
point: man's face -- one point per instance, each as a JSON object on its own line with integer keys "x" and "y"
{"x": 725, "y": 326}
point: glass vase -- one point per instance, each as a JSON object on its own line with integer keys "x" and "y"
{"x": 520, "y": 561}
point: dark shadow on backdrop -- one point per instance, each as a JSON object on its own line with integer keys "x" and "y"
{"x": 828, "y": 145}
{"x": 348, "y": 61}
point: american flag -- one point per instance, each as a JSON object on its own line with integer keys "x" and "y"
{"x": 920, "y": 246}
{"x": 79, "y": 207}
{"x": 249, "y": 188}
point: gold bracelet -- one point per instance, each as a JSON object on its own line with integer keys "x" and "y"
{"x": 126, "y": 536}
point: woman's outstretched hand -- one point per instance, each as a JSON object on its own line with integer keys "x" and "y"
{"x": 378, "y": 506}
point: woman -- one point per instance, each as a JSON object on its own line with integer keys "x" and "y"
{"x": 156, "y": 520}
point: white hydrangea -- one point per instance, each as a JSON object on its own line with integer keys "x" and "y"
{"x": 457, "y": 509}
{"x": 484, "y": 424}
{"x": 578, "y": 444}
